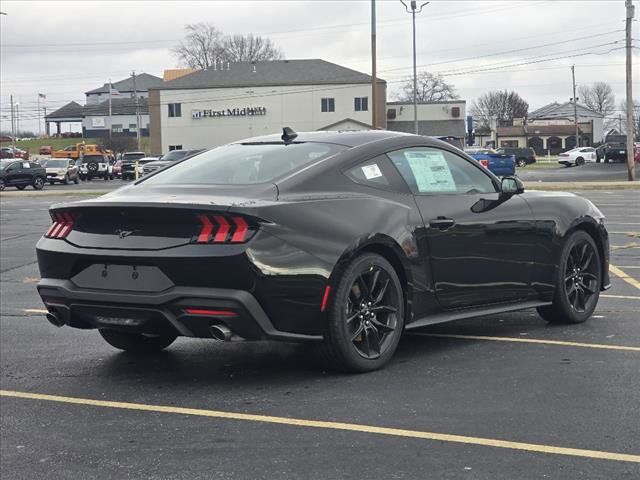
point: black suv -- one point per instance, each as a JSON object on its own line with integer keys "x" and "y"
{"x": 129, "y": 160}
{"x": 615, "y": 148}
{"x": 524, "y": 156}
{"x": 21, "y": 173}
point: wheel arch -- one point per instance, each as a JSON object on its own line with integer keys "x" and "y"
{"x": 388, "y": 249}
{"x": 590, "y": 227}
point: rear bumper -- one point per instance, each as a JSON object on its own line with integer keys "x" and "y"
{"x": 163, "y": 311}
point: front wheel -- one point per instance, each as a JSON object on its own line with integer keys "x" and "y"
{"x": 365, "y": 316}
{"x": 136, "y": 342}
{"x": 578, "y": 280}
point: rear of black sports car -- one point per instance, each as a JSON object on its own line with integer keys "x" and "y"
{"x": 176, "y": 268}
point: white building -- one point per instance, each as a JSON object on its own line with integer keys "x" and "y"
{"x": 435, "y": 119}
{"x": 219, "y": 105}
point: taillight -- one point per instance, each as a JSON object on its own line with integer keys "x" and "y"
{"x": 223, "y": 229}
{"x": 62, "y": 224}
{"x": 485, "y": 163}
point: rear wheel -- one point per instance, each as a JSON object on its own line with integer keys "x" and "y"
{"x": 521, "y": 162}
{"x": 66, "y": 179}
{"x": 578, "y": 280}
{"x": 38, "y": 183}
{"x": 76, "y": 180}
{"x": 136, "y": 342}
{"x": 579, "y": 161}
{"x": 365, "y": 316}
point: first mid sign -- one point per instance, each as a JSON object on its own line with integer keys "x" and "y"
{"x": 230, "y": 112}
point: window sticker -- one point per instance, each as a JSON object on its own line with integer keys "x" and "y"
{"x": 431, "y": 171}
{"x": 371, "y": 171}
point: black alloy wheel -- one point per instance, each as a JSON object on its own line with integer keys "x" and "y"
{"x": 366, "y": 316}
{"x": 38, "y": 183}
{"x": 578, "y": 283}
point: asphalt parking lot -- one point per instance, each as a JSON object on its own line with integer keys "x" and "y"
{"x": 587, "y": 172}
{"x": 501, "y": 397}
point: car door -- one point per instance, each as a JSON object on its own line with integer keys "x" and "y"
{"x": 12, "y": 174}
{"x": 480, "y": 242}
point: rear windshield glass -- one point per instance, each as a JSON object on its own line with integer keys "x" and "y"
{"x": 133, "y": 156}
{"x": 57, "y": 163}
{"x": 93, "y": 158}
{"x": 241, "y": 164}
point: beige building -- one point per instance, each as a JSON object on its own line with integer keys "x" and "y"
{"x": 234, "y": 101}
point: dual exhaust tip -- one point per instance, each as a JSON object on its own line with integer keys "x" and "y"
{"x": 220, "y": 333}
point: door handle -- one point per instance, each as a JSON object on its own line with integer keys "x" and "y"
{"x": 442, "y": 223}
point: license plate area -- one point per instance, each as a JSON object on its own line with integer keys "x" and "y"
{"x": 136, "y": 278}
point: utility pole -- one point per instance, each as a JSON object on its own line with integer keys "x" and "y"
{"x": 17, "y": 118}
{"x": 110, "y": 126}
{"x": 631, "y": 171}
{"x": 135, "y": 97}
{"x": 374, "y": 97}
{"x": 575, "y": 105}
{"x": 413, "y": 10}
{"x": 13, "y": 125}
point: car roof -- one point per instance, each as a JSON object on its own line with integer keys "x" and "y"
{"x": 348, "y": 138}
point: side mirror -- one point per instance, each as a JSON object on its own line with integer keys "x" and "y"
{"x": 512, "y": 186}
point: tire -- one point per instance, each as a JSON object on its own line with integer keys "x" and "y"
{"x": 598, "y": 160}
{"x": 579, "y": 161}
{"x": 92, "y": 167}
{"x": 579, "y": 271}
{"x": 51, "y": 182}
{"x": 21, "y": 187}
{"x": 521, "y": 162}
{"x": 2, "y": 184}
{"x": 76, "y": 180}
{"x": 38, "y": 183}
{"x": 380, "y": 330}
{"x": 66, "y": 179}
{"x": 136, "y": 342}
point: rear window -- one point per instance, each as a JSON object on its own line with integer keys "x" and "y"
{"x": 57, "y": 163}
{"x": 93, "y": 158}
{"x": 242, "y": 164}
{"x": 133, "y": 156}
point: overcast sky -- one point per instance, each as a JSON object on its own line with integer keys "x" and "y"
{"x": 63, "y": 49}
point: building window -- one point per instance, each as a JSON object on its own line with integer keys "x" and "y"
{"x": 175, "y": 147}
{"x": 361, "y": 104}
{"x": 116, "y": 128}
{"x": 328, "y": 105}
{"x": 133, "y": 127}
{"x": 175, "y": 109}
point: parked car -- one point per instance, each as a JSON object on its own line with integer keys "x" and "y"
{"x": 95, "y": 165}
{"x": 21, "y": 173}
{"x": 577, "y": 156}
{"x": 637, "y": 155}
{"x": 343, "y": 240}
{"x": 615, "y": 148}
{"x": 13, "y": 152}
{"x": 128, "y": 166}
{"x": 499, "y": 164}
{"x": 524, "y": 156}
{"x": 45, "y": 150}
{"x": 168, "y": 159}
{"x": 63, "y": 170}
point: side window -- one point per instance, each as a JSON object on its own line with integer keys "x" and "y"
{"x": 175, "y": 109}
{"x": 327, "y": 104}
{"x": 430, "y": 170}
{"x": 26, "y": 165}
{"x": 369, "y": 173}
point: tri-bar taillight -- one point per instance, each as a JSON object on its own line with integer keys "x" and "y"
{"x": 62, "y": 224}
{"x": 224, "y": 229}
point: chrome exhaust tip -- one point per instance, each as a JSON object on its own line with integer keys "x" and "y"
{"x": 220, "y": 333}
{"x": 54, "y": 320}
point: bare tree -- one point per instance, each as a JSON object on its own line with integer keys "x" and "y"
{"x": 204, "y": 45}
{"x": 636, "y": 118}
{"x": 501, "y": 104}
{"x": 249, "y": 48}
{"x": 600, "y": 98}
{"x": 431, "y": 88}
{"x": 201, "y": 47}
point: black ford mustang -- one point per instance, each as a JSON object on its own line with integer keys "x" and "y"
{"x": 341, "y": 239}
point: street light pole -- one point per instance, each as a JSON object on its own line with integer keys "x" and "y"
{"x": 413, "y": 9}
